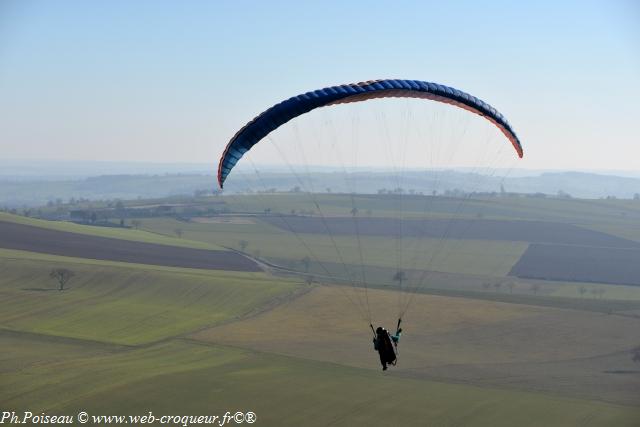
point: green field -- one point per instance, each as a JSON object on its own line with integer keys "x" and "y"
{"x": 492, "y": 258}
{"x": 124, "y": 303}
{"x": 606, "y": 213}
{"x": 471, "y": 262}
{"x": 188, "y": 378}
{"x": 130, "y": 338}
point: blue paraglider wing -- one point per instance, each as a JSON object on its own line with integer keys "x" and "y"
{"x": 279, "y": 114}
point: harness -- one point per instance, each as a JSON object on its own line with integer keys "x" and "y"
{"x": 389, "y": 346}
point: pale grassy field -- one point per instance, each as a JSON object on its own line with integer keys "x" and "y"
{"x": 324, "y": 325}
{"x": 569, "y": 289}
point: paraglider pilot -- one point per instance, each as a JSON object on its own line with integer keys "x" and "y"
{"x": 385, "y": 344}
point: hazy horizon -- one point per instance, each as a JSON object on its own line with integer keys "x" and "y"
{"x": 90, "y": 168}
{"x": 36, "y": 184}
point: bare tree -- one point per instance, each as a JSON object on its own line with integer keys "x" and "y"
{"x": 136, "y": 224}
{"x": 399, "y": 277}
{"x": 535, "y": 287}
{"x": 582, "y": 291}
{"x": 306, "y": 262}
{"x": 511, "y": 285}
{"x": 62, "y": 275}
{"x": 308, "y": 280}
{"x": 178, "y": 233}
{"x": 243, "y": 245}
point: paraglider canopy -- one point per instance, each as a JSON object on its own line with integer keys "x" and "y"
{"x": 279, "y": 114}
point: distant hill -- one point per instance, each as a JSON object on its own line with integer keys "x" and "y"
{"x": 575, "y": 184}
{"x": 32, "y": 190}
{"x": 578, "y": 184}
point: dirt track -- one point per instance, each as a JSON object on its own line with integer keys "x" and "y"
{"x": 42, "y": 240}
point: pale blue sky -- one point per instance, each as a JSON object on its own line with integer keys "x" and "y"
{"x": 172, "y": 81}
